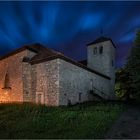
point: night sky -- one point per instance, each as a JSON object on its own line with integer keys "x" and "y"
{"x": 69, "y": 26}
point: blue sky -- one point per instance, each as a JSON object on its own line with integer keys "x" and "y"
{"x": 69, "y": 26}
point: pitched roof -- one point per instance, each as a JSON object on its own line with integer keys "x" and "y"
{"x": 39, "y": 49}
{"x": 101, "y": 39}
{"x": 44, "y": 54}
{"x": 61, "y": 56}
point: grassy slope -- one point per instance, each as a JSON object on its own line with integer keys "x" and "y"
{"x": 81, "y": 121}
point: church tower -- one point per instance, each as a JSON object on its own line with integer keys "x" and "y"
{"x": 101, "y": 57}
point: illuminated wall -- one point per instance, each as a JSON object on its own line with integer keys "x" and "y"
{"x": 47, "y": 82}
{"x": 13, "y": 66}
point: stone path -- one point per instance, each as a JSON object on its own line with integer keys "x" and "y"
{"x": 127, "y": 126}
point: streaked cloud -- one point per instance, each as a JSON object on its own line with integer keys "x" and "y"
{"x": 68, "y": 26}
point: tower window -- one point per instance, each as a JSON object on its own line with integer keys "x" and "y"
{"x": 91, "y": 84}
{"x": 80, "y": 94}
{"x": 112, "y": 63}
{"x": 95, "y": 50}
{"x": 101, "y": 49}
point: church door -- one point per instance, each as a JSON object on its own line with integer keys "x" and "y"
{"x": 39, "y": 98}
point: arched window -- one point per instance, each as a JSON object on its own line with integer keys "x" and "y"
{"x": 101, "y": 49}
{"x": 6, "y": 82}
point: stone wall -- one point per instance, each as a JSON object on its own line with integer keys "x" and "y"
{"x": 12, "y": 65}
{"x": 59, "y": 82}
{"x": 47, "y": 84}
{"x": 103, "y": 62}
{"x": 53, "y": 83}
{"x": 19, "y": 74}
{"x": 76, "y": 83}
{"x": 29, "y": 76}
{"x": 28, "y": 81}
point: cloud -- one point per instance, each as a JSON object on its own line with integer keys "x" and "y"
{"x": 90, "y": 21}
{"x": 128, "y": 37}
{"x": 69, "y": 23}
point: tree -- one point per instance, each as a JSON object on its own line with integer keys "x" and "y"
{"x": 133, "y": 68}
{"x": 128, "y": 78}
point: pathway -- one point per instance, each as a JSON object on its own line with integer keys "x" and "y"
{"x": 127, "y": 126}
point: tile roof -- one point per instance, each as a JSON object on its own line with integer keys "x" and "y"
{"x": 44, "y": 54}
{"x": 39, "y": 49}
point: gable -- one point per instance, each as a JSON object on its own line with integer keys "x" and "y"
{"x": 40, "y": 51}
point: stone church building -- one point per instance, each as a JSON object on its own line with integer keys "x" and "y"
{"x": 37, "y": 74}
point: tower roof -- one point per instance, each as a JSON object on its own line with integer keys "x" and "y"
{"x": 101, "y": 39}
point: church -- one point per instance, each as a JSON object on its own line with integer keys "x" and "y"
{"x": 37, "y": 74}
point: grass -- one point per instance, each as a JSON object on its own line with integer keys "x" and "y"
{"x": 88, "y": 120}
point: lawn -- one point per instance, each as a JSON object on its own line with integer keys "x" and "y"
{"x": 88, "y": 120}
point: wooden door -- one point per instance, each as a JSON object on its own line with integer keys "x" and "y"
{"x": 39, "y": 98}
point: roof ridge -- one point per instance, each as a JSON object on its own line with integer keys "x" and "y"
{"x": 70, "y": 60}
{"x": 35, "y": 47}
{"x": 101, "y": 39}
{"x": 15, "y": 51}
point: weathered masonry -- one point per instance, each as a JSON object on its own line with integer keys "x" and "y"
{"x": 37, "y": 74}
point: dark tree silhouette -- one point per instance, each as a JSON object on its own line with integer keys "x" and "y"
{"x": 128, "y": 78}
{"x": 133, "y": 68}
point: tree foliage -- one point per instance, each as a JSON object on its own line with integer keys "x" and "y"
{"x": 129, "y": 76}
{"x": 133, "y": 67}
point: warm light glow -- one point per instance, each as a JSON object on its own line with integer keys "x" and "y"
{"x": 6, "y": 92}
{"x": 5, "y": 95}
